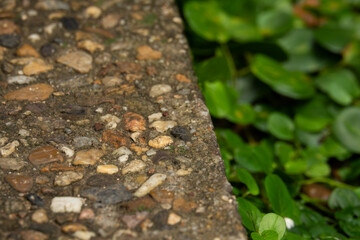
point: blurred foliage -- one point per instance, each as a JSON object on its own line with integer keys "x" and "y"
{"x": 281, "y": 81}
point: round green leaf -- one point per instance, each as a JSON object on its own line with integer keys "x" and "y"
{"x": 341, "y": 86}
{"x": 319, "y": 169}
{"x": 274, "y": 222}
{"x": 347, "y": 129}
{"x": 281, "y": 126}
{"x": 291, "y": 84}
{"x": 274, "y": 22}
{"x": 343, "y": 198}
{"x": 333, "y": 37}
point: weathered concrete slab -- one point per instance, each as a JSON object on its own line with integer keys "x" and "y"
{"x": 103, "y": 131}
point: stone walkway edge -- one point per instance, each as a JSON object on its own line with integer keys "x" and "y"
{"x": 104, "y": 133}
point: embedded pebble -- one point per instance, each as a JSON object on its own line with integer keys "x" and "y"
{"x": 33, "y": 235}
{"x": 27, "y": 50}
{"x": 80, "y": 142}
{"x": 11, "y": 163}
{"x": 35, "y": 199}
{"x": 155, "y": 116}
{"x": 133, "y": 166}
{"x": 36, "y": 67}
{"x": 3, "y": 141}
{"x": 35, "y": 92}
{"x": 39, "y": 216}
{"x": 42, "y": 179}
{"x": 111, "y": 81}
{"x": 163, "y": 126}
{"x": 19, "y": 182}
{"x": 134, "y": 122}
{"x": 9, "y": 148}
{"x": 73, "y": 227}
{"x": 20, "y": 79}
{"x": 154, "y": 181}
{"x": 110, "y": 20}
{"x": 68, "y": 151}
{"x": 52, "y": 5}
{"x": 111, "y": 121}
{"x": 92, "y": 12}
{"x": 66, "y": 178}
{"x": 84, "y": 235}
{"x": 50, "y": 28}
{"x": 107, "y": 169}
{"x": 86, "y": 213}
{"x": 47, "y": 50}
{"x": 159, "y": 89}
{"x": 160, "y": 142}
{"x": 173, "y": 219}
{"x": 69, "y": 23}
{"x": 183, "y": 172}
{"x": 111, "y": 194}
{"x": 147, "y": 53}
{"x": 88, "y": 157}
{"x": 66, "y": 204}
{"x": 44, "y": 155}
{"x": 123, "y": 158}
{"x": 122, "y": 151}
{"x": 90, "y": 46}
{"x": 78, "y": 60}
{"x": 9, "y": 40}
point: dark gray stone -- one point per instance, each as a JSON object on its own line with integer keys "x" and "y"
{"x": 108, "y": 195}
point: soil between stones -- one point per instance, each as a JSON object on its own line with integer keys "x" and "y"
{"x": 103, "y": 131}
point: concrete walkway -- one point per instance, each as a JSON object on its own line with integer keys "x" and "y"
{"x": 103, "y": 130}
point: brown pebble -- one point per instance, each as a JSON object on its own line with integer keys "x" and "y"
{"x": 144, "y": 203}
{"x": 182, "y": 78}
{"x": 42, "y": 179}
{"x": 181, "y": 205}
{"x": 151, "y": 71}
{"x": 44, "y": 155}
{"x": 114, "y": 138}
{"x": 35, "y": 92}
{"x": 33, "y": 235}
{"x": 88, "y": 157}
{"x": 19, "y": 182}
{"x": 98, "y": 126}
{"x": 27, "y": 51}
{"x": 147, "y": 53}
{"x": 73, "y": 227}
{"x": 134, "y": 122}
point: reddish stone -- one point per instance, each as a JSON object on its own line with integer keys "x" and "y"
{"x": 34, "y": 92}
{"x": 140, "y": 204}
{"x": 114, "y": 138}
{"x": 134, "y": 122}
{"x": 151, "y": 71}
{"x": 181, "y": 205}
{"x": 98, "y": 126}
{"x": 44, "y": 155}
{"x": 19, "y": 182}
{"x": 33, "y": 235}
{"x": 182, "y": 78}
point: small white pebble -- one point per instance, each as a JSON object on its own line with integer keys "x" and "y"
{"x": 155, "y": 116}
{"x": 66, "y": 204}
{"x": 123, "y": 158}
{"x": 173, "y": 219}
{"x": 68, "y": 151}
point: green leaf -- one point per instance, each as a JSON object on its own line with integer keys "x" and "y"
{"x": 274, "y": 22}
{"x": 274, "y": 222}
{"x": 343, "y": 198}
{"x": 293, "y": 236}
{"x": 291, "y": 84}
{"x": 280, "y": 199}
{"x": 220, "y": 99}
{"x": 242, "y": 114}
{"x": 319, "y": 169}
{"x": 281, "y": 126}
{"x": 229, "y": 139}
{"x": 214, "y": 69}
{"x": 250, "y": 214}
{"x": 350, "y": 221}
{"x": 332, "y": 148}
{"x": 257, "y": 158}
{"x": 313, "y": 116}
{"x": 284, "y": 152}
{"x": 297, "y": 166}
{"x": 270, "y": 235}
{"x": 246, "y": 178}
{"x": 347, "y": 129}
{"x": 257, "y": 236}
{"x": 341, "y": 85}
{"x": 211, "y": 22}
{"x": 333, "y": 37}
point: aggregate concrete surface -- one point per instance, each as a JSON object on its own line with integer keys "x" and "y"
{"x": 103, "y": 131}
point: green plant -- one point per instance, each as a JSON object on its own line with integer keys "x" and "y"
{"x": 283, "y": 77}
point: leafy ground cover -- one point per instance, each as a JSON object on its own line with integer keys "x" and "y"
{"x": 281, "y": 80}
